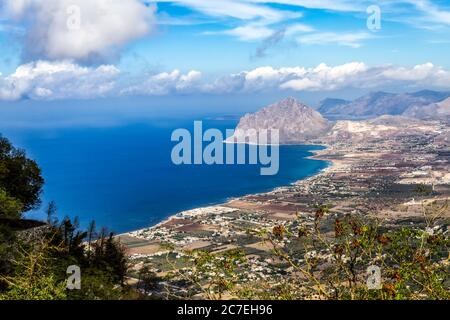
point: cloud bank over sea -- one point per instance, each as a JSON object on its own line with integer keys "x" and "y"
{"x": 46, "y": 80}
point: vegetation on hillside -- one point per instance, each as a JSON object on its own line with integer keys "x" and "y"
{"x": 333, "y": 258}
{"x": 34, "y": 262}
{"x": 327, "y": 256}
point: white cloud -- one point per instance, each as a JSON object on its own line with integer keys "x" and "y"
{"x": 298, "y": 28}
{"x": 185, "y": 82}
{"x": 334, "y": 5}
{"x": 324, "y": 77}
{"x": 53, "y": 31}
{"x": 250, "y": 32}
{"x": 345, "y": 39}
{"x": 266, "y": 77}
{"x": 321, "y": 77}
{"x": 238, "y": 9}
{"x": 257, "y": 20}
{"x": 432, "y": 12}
{"x": 165, "y": 83}
{"x": 43, "y": 80}
{"x": 423, "y": 73}
{"x": 249, "y": 9}
{"x": 258, "y": 31}
{"x": 422, "y": 13}
{"x": 328, "y": 78}
{"x": 58, "y": 80}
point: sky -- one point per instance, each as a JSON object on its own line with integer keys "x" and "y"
{"x": 83, "y": 49}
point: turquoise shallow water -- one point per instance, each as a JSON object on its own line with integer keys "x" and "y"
{"x": 122, "y": 175}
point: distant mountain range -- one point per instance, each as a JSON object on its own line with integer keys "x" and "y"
{"x": 381, "y": 103}
{"x": 431, "y": 111}
{"x": 386, "y": 114}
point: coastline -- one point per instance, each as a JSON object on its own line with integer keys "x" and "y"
{"x": 367, "y": 177}
{"x": 315, "y": 155}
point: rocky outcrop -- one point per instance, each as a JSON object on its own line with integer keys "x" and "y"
{"x": 296, "y": 122}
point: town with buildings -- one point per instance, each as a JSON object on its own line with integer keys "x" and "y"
{"x": 375, "y": 171}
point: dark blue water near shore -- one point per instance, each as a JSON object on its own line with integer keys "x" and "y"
{"x": 122, "y": 176}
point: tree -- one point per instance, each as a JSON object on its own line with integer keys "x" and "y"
{"x": 90, "y": 235}
{"x": 115, "y": 258}
{"x": 38, "y": 267}
{"x": 20, "y": 177}
{"x": 10, "y": 208}
{"x": 34, "y": 277}
{"x": 20, "y": 188}
{"x": 35, "y": 267}
{"x": 148, "y": 280}
{"x": 52, "y": 212}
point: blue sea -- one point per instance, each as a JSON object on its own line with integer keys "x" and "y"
{"x": 121, "y": 175}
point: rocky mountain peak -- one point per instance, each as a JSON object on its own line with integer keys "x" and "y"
{"x": 295, "y": 121}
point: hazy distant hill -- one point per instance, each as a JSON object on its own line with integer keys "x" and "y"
{"x": 431, "y": 95}
{"x": 331, "y": 104}
{"x": 296, "y": 121}
{"x": 432, "y": 111}
{"x": 379, "y": 103}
